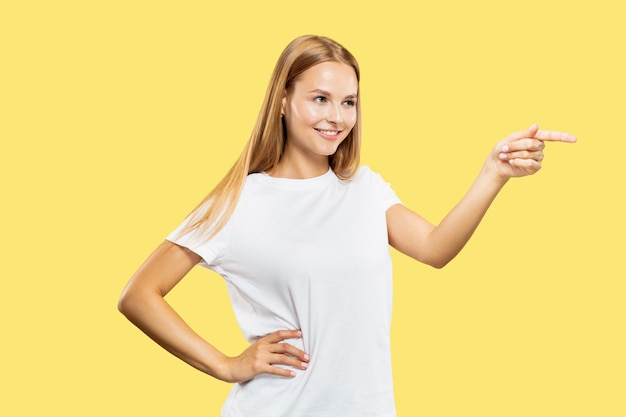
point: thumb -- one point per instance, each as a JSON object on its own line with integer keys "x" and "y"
{"x": 528, "y": 133}
{"x": 532, "y": 130}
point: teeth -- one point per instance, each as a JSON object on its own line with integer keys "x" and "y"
{"x": 328, "y": 132}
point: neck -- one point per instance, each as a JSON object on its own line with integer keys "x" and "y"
{"x": 287, "y": 168}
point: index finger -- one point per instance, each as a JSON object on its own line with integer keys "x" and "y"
{"x": 553, "y": 136}
{"x": 281, "y": 335}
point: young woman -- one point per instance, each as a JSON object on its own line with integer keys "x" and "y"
{"x": 301, "y": 235}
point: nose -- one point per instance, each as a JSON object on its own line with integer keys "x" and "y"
{"x": 335, "y": 114}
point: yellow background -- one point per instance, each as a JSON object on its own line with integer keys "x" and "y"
{"x": 117, "y": 117}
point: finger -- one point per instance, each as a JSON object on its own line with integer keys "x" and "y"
{"x": 525, "y": 144}
{"x": 287, "y": 360}
{"x": 530, "y": 165}
{"x": 275, "y": 370}
{"x": 528, "y": 133}
{"x": 554, "y": 136}
{"x": 535, "y": 155}
{"x": 286, "y": 348}
{"x": 280, "y": 335}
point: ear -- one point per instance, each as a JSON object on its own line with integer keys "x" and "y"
{"x": 283, "y": 103}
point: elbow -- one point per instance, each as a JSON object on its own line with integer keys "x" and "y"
{"x": 135, "y": 300}
{"x": 439, "y": 258}
{"x": 123, "y": 304}
{"x": 430, "y": 256}
{"x": 434, "y": 262}
{"x": 438, "y": 261}
{"x": 128, "y": 302}
{"x": 439, "y": 264}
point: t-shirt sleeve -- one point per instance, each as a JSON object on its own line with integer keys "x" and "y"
{"x": 208, "y": 249}
{"x": 382, "y": 188}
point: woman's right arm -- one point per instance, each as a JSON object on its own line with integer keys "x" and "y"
{"x": 143, "y": 303}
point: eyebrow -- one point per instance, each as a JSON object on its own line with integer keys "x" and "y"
{"x": 326, "y": 93}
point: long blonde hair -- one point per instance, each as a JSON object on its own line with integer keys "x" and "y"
{"x": 265, "y": 146}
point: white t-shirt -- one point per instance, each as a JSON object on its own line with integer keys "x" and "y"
{"x": 311, "y": 254}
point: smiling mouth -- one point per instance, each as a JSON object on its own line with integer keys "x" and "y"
{"x": 330, "y": 134}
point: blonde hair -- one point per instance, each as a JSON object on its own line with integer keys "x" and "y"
{"x": 266, "y": 143}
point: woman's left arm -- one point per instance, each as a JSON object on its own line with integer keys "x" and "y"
{"x": 517, "y": 155}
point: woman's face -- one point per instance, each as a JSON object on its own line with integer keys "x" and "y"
{"x": 320, "y": 111}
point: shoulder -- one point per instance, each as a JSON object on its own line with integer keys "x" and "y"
{"x": 371, "y": 183}
{"x": 364, "y": 174}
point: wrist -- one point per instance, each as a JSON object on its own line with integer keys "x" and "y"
{"x": 222, "y": 369}
{"x": 492, "y": 178}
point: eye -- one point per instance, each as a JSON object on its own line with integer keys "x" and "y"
{"x": 320, "y": 99}
{"x": 350, "y": 103}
